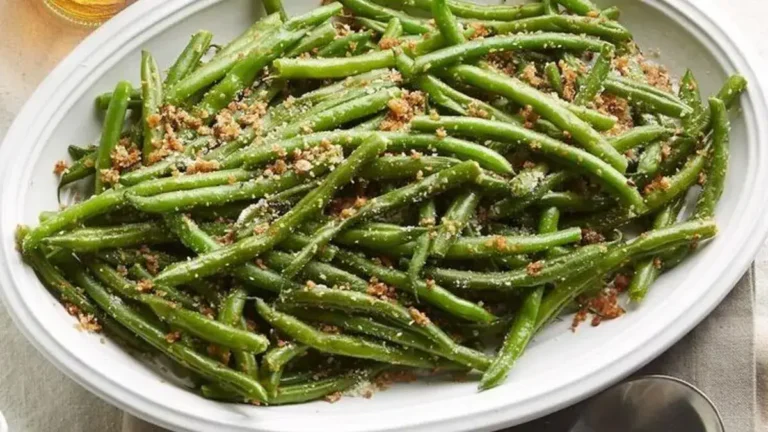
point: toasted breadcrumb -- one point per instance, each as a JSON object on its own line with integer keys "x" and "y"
{"x": 60, "y": 167}
{"x": 418, "y": 317}
{"x": 534, "y": 268}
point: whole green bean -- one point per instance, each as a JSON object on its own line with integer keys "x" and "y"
{"x": 318, "y": 272}
{"x": 308, "y": 207}
{"x": 138, "y": 272}
{"x": 152, "y": 97}
{"x": 430, "y": 293}
{"x": 612, "y": 13}
{"x": 579, "y": 159}
{"x": 690, "y": 95}
{"x": 393, "y": 30}
{"x": 103, "y": 100}
{"x": 346, "y": 44}
{"x": 369, "y": 9}
{"x": 480, "y": 47}
{"x": 647, "y": 100}
{"x": 110, "y": 134}
{"x": 275, "y": 6}
{"x": 323, "y": 68}
{"x": 573, "y": 202}
{"x": 718, "y": 163}
{"x": 614, "y": 33}
{"x": 547, "y": 107}
{"x": 467, "y": 9}
{"x": 218, "y": 195}
{"x": 299, "y": 393}
{"x": 730, "y": 92}
{"x": 453, "y": 222}
{"x": 92, "y": 239}
{"x": 341, "y": 344}
{"x": 516, "y": 340}
{"x": 639, "y": 136}
{"x": 545, "y": 271}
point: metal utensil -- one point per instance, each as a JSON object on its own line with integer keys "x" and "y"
{"x": 650, "y": 404}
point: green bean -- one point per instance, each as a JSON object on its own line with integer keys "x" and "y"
{"x": 368, "y": 326}
{"x": 639, "y": 136}
{"x": 179, "y": 352}
{"x": 189, "y": 58}
{"x": 459, "y": 102}
{"x": 427, "y": 217}
{"x": 545, "y": 271}
{"x": 79, "y": 170}
{"x": 466, "y": 9}
{"x": 372, "y": 24}
{"x": 730, "y": 92}
{"x": 368, "y": 9}
{"x": 318, "y": 272}
{"x": 273, "y": 363}
{"x": 244, "y": 72}
{"x": 78, "y": 152}
{"x": 152, "y": 97}
{"x": 565, "y": 24}
{"x": 399, "y": 167}
{"x": 393, "y": 30}
{"x": 547, "y": 107}
{"x": 480, "y": 47}
{"x": 581, "y": 7}
{"x": 323, "y": 68}
{"x": 343, "y": 113}
{"x": 341, "y": 344}
{"x": 92, "y": 239}
{"x": 583, "y": 161}
{"x": 166, "y": 166}
{"x": 550, "y": 7}
{"x": 690, "y": 95}
{"x": 346, "y": 44}
{"x": 372, "y": 124}
{"x": 555, "y": 80}
{"x": 432, "y": 294}
{"x": 499, "y": 246}
{"x": 612, "y": 13}
{"x": 222, "y": 63}
{"x": 321, "y": 36}
{"x": 453, "y": 222}
{"x": 375, "y": 235}
{"x": 309, "y": 206}
{"x": 207, "y": 329}
{"x": 275, "y": 6}
{"x": 299, "y": 393}
{"x": 593, "y": 84}
{"x": 421, "y": 190}
{"x": 647, "y": 270}
{"x": 113, "y": 126}
{"x": 218, "y": 195}
{"x": 516, "y": 340}
{"x": 447, "y": 23}
{"x": 641, "y": 97}
{"x": 103, "y": 100}
{"x": 526, "y": 181}
{"x": 718, "y": 163}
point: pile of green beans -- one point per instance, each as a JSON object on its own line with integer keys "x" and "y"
{"x": 318, "y": 201}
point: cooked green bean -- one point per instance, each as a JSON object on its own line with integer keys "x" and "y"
{"x": 341, "y": 344}
{"x": 323, "y": 68}
{"x": 321, "y": 36}
{"x": 467, "y": 9}
{"x": 717, "y": 166}
{"x": 110, "y": 134}
{"x": 447, "y": 23}
{"x": 581, "y": 7}
{"x": 152, "y": 97}
{"x": 189, "y": 58}
{"x": 566, "y": 24}
{"x": 646, "y": 99}
{"x": 579, "y": 159}
{"x": 593, "y": 83}
{"x": 273, "y": 363}
{"x": 92, "y": 239}
{"x": 517, "y": 339}
{"x": 82, "y": 168}
{"x": 427, "y": 218}
{"x": 346, "y": 44}
{"x": 369, "y": 9}
{"x": 312, "y": 390}
{"x": 554, "y": 78}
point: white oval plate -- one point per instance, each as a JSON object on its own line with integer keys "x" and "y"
{"x": 559, "y": 369}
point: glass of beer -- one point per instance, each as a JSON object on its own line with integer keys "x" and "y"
{"x": 89, "y": 13}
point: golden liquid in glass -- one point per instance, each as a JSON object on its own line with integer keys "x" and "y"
{"x": 87, "y": 12}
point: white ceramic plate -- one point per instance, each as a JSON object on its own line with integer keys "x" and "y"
{"x": 559, "y": 369}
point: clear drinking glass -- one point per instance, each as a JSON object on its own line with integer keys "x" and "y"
{"x": 89, "y": 13}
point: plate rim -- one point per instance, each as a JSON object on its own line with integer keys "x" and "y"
{"x": 155, "y": 11}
